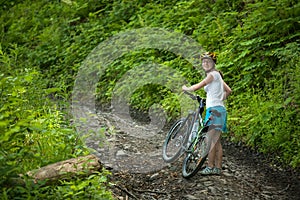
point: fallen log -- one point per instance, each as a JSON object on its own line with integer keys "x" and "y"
{"x": 68, "y": 168}
{"x": 81, "y": 166}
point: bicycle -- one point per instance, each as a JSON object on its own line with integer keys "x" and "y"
{"x": 181, "y": 139}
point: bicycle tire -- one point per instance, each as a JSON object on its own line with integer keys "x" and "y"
{"x": 194, "y": 160}
{"x": 176, "y": 138}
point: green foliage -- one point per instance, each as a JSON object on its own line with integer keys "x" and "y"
{"x": 43, "y": 44}
{"x": 92, "y": 187}
{"x": 262, "y": 64}
{"x": 34, "y": 131}
{"x": 271, "y": 124}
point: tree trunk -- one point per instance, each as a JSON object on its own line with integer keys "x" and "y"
{"x": 84, "y": 165}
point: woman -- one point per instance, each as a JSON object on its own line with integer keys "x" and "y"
{"x": 216, "y": 91}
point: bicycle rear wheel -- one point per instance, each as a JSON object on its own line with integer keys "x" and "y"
{"x": 196, "y": 156}
{"x": 175, "y": 141}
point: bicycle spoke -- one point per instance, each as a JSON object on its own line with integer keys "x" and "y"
{"x": 176, "y": 140}
{"x": 194, "y": 160}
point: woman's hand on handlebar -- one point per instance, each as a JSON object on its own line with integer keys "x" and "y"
{"x": 185, "y": 88}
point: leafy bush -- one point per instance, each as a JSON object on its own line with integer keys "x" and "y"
{"x": 43, "y": 44}
{"x": 34, "y": 133}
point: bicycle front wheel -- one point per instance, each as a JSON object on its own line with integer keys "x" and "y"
{"x": 175, "y": 141}
{"x": 196, "y": 156}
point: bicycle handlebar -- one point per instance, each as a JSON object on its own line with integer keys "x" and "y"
{"x": 194, "y": 97}
{"x": 200, "y": 100}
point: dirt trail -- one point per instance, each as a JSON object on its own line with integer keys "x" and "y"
{"x": 138, "y": 171}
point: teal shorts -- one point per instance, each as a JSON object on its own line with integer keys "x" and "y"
{"x": 218, "y": 118}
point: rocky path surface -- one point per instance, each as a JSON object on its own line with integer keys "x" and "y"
{"x": 138, "y": 171}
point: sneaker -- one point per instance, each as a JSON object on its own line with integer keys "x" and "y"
{"x": 207, "y": 171}
{"x": 216, "y": 171}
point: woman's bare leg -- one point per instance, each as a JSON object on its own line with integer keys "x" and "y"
{"x": 214, "y": 152}
{"x": 219, "y": 154}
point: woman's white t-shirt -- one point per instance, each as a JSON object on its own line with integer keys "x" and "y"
{"x": 214, "y": 91}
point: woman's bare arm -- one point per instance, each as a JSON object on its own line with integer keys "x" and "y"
{"x": 227, "y": 90}
{"x": 197, "y": 86}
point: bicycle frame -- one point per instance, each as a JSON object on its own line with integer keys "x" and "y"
{"x": 196, "y": 115}
{"x": 180, "y": 135}
{"x": 181, "y": 139}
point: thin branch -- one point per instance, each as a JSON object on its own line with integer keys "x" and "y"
{"x": 127, "y": 192}
{"x": 283, "y": 190}
{"x": 149, "y": 191}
